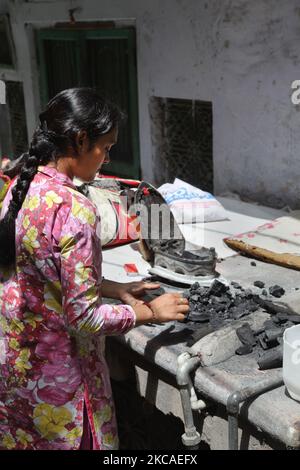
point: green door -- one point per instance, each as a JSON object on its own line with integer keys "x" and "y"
{"x": 105, "y": 60}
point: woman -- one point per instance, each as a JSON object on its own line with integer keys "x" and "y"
{"x": 54, "y": 384}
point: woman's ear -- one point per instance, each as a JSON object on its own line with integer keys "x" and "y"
{"x": 82, "y": 141}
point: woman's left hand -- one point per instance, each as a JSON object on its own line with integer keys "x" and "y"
{"x": 130, "y": 292}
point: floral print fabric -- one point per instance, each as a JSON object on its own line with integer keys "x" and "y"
{"x": 52, "y": 324}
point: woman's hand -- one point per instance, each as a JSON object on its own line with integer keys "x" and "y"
{"x": 166, "y": 307}
{"x": 130, "y": 292}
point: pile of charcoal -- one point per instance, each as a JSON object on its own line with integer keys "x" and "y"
{"x": 267, "y": 342}
{"x": 220, "y": 304}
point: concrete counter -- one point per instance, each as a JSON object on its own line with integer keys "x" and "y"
{"x": 273, "y": 413}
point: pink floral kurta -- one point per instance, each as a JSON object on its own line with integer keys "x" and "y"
{"x": 52, "y": 324}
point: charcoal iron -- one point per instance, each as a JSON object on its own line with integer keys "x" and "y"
{"x": 163, "y": 244}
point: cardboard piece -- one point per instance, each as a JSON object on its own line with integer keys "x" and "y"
{"x": 276, "y": 242}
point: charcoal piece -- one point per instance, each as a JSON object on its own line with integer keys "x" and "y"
{"x": 248, "y": 293}
{"x": 238, "y": 312}
{"x": 271, "y": 359}
{"x": 294, "y": 318}
{"x": 220, "y": 308}
{"x": 186, "y": 294}
{"x": 270, "y": 307}
{"x": 236, "y": 285}
{"x": 252, "y": 306}
{"x": 253, "y": 263}
{"x": 246, "y": 335}
{"x": 276, "y": 291}
{"x": 272, "y": 334}
{"x": 213, "y": 299}
{"x": 195, "y": 286}
{"x": 238, "y": 301}
{"x": 275, "y": 319}
{"x": 282, "y": 317}
{"x": 262, "y": 341}
{"x": 198, "y": 317}
{"x": 225, "y": 300}
{"x": 259, "y": 284}
{"x": 226, "y": 316}
{"x": 259, "y": 331}
{"x": 273, "y": 343}
{"x": 243, "y": 350}
{"x": 218, "y": 288}
{"x": 242, "y": 296}
{"x": 269, "y": 324}
{"x": 196, "y": 307}
{"x": 202, "y": 291}
{"x": 195, "y": 297}
{"x": 264, "y": 292}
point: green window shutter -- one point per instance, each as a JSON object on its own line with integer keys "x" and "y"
{"x": 59, "y": 62}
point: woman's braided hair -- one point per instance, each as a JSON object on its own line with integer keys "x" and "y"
{"x": 68, "y": 113}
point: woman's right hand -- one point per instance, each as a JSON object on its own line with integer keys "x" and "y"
{"x": 166, "y": 307}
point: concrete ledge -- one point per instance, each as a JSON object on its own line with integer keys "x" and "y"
{"x": 222, "y": 344}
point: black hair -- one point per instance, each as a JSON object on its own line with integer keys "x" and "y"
{"x": 68, "y": 113}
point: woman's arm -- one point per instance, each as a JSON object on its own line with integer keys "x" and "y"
{"x": 128, "y": 292}
{"x": 80, "y": 272}
{"x": 110, "y": 289}
{"x": 80, "y": 260}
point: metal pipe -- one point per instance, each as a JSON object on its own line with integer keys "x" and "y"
{"x": 186, "y": 364}
{"x": 238, "y": 397}
{"x": 195, "y": 403}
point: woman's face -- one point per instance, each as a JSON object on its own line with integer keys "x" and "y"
{"x": 90, "y": 160}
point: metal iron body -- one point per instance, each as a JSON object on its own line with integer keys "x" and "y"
{"x": 165, "y": 243}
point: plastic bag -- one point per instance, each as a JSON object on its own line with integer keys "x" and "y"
{"x": 190, "y": 204}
